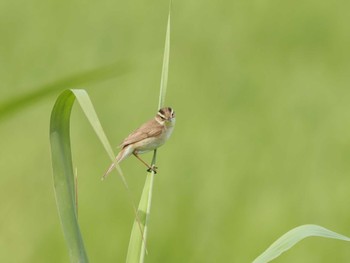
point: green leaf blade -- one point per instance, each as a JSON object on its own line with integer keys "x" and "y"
{"x": 87, "y": 107}
{"x": 165, "y": 68}
{"x": 63, "y": 175}
{"x": 292, "y": 237}
{"x": 137, "y": 245}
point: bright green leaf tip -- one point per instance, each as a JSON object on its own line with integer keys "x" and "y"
{"x": 165, "y": 68}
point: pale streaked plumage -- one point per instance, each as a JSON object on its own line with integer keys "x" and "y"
{"x": 148, "y": 137}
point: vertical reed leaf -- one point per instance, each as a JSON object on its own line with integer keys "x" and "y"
{"x": 165, "y": 68}
{"x": 289, "y": 239}
{"x": 137, "y": 245}
{"x": 63, "y": 174}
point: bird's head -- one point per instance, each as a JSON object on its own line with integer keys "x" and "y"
{"x": 166, "y": 116}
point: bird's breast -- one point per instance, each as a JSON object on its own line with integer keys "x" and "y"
{"x": 151, "y": 143}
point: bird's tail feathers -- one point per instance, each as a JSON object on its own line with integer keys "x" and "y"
{"x": 120, "y": 157}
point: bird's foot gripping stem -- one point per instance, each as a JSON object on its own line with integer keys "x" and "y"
{"x": 152, "y": 169}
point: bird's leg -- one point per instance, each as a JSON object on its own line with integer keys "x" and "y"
{"x": 150, "y": 168}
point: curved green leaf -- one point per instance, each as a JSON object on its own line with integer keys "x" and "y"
{"x": 64, "y": 177}
{"x": 63, "y": 174}
{"x": 292, "y": 237}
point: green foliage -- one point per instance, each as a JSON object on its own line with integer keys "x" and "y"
{"x": 261, "y": 144}
{"x": 165, "y": 68}
{"x": 292, "y": 237}
{"x": 63, "y": 170}
{"x": 63, "y": 175}
{"x": 137, "y": 246}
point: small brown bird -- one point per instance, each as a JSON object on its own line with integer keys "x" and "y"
{"x": 148, "y": 137}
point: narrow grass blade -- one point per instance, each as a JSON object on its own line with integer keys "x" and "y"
{"x": 63, "y": 175}
{"x": 165, "y": 68}
{"x": 149, "y": 186}
{"x": 87, "y": 107}
{"x": 137, "y": 244}
{"x": 292, "y": 237}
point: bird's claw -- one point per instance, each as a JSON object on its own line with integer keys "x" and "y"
{"x": 152, "y": 169}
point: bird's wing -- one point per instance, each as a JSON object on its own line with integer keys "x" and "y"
{"x": 149, "y": 129}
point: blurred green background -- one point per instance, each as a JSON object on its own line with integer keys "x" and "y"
{"x": 262, "y": 142}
